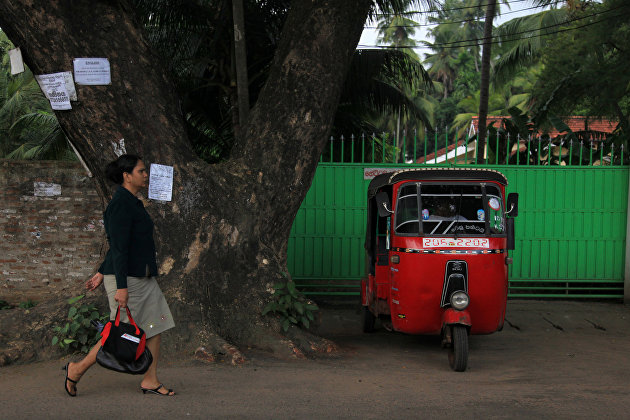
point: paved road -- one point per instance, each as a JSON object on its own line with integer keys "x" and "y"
{"x": 562, "y": 360}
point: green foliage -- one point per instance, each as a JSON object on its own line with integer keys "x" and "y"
{"x": 291, "y": 306}
{"x": 28, "y": 127}
{"x": 28, "y": 304}
{"x": 586, "y": 68}
{"x": 77, "y": 334}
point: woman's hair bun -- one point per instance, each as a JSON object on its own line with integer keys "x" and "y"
{"x": 125, "y": 163}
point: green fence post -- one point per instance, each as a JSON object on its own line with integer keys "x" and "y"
{"x": 373, "y": 138}
{"x": 518, "y": 149}
{"x": 539, "y": 147}
{"x": 331, "y": 148}
{"x": 435, "y": 151}
{"x": 383, "y": 147}
{"x": 426, "y": 141}
{"x": 612, "y": 154}
{"x": 352, "y": 148}
{"x": 507, "y": 150}
{"x": 570, "y": 151}
{"x": 415, "y": 145}
{"x": 394, "y": 154}
{"x": 342, "y": 150}
{"x": 362, "y": 147}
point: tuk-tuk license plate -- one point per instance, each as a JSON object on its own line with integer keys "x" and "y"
{"x": 455, "y": 243}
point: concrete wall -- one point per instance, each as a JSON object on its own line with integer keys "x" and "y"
{"x": 51, "y": 230}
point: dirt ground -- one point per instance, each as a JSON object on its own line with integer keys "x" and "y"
{"x": 553, "y": 360}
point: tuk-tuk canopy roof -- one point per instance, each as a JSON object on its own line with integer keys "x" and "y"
{"x": 435, "y": 174}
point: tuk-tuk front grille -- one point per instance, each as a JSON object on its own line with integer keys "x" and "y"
{"x": 455, "y": 279}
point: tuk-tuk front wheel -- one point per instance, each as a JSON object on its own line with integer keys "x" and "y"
{"x": 368, "y": 320}
{"x": 458, "y": 352}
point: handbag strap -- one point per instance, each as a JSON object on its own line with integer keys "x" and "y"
{"x": 131, "y": 321}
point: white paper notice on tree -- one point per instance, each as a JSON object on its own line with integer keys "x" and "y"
{"x": 54, "y": 87}
{"x": 160, "y": 182}
{"x": 92, "y": 71}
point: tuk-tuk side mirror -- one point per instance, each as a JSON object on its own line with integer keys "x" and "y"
{"x": 512, "y": 205}
{"x": 511, "y": 241}
{"x": 383, "y": 204}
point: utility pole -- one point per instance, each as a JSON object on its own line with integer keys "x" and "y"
{"x": 240, "y": 55}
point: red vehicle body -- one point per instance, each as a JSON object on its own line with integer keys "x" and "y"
{"x": 434, "y": 235}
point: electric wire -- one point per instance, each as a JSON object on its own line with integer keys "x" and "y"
{"x": 420, "y": 12}
{"x": 496, "y": 39}
{"x": 450, "y": 22}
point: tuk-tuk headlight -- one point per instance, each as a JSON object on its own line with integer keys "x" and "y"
{"x": 459, "y": 300}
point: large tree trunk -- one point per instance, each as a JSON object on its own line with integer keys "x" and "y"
{"x": 222, "y": 240}
{"x": 484, "y": 90}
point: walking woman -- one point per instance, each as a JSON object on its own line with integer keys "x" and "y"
{"x": 129, "y": 271}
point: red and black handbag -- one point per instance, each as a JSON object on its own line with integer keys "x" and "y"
{"x": 125, "y": 341}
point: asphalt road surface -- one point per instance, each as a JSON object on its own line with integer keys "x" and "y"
{"x": 554, "y": 360}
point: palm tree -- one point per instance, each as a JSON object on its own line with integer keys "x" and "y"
{"x": 523, "y": 39}
{"x": 441, "y": 62}
{"x": 397, "y": 30}
{"x": 28, "y": 127}
{"x": 462, "y": 19}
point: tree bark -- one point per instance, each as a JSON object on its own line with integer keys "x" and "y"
{"x": 222, "y": 240}
{"x": 485, "y": 74}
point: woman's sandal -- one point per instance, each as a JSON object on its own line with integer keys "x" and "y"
{"x": 157, "y": 391}
{"x": 65, "y": 382}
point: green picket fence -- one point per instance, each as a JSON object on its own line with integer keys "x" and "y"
{"x": 570, "y": 232}
{"x": 500, "y": 149}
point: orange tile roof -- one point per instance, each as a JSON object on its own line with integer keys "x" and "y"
{"x": 575, "y": 124}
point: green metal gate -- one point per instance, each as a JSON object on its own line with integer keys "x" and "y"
{"x": 570, "y": 232}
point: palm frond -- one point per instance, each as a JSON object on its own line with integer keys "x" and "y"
{"x": 519, "y": 53}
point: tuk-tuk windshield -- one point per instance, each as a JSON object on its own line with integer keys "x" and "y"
{"x": 449, "y": 209}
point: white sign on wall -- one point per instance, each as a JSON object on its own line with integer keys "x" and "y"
{"x": 160, "y": 182}
{"x": 92, "y": 71}
{"x": 46, "y": 189}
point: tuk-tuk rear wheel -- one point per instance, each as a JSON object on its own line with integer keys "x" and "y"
{"x": 368, "y": 320}
{"x": 458, "y": 352}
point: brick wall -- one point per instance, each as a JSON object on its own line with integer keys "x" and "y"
{"x": 51, "y": 230}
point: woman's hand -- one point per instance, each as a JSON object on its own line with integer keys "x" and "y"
{"x": 121, "y": 296}
{"x": 94, "y": 282}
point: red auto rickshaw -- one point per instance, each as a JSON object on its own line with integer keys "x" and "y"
{"x": 437, "y": 262}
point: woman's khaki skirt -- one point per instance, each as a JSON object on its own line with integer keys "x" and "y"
{"x": 146, "y": 303}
